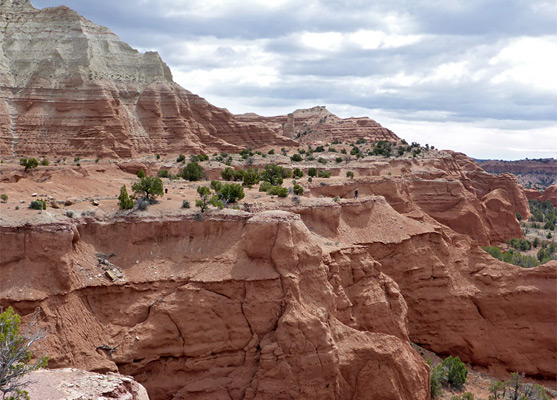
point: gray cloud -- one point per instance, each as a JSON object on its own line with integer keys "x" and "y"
{"x": 473, "y": 61}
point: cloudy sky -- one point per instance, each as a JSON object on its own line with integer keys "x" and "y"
{"x": 477, "y": 76}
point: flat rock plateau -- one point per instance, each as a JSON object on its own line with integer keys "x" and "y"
{"x": 315, "y": 296}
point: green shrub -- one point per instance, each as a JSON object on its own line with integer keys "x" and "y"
{"x": 297, "y": 173}
{"x": 296, "y": 157}
{"x": 324, "y": 174}
{"x": 186, "y": 204}
{"x": 230, "y": 193}
{"x": 273, "y": 174}
{"x": 44, "y": 162}
{"x": 181, "y": 158}
{"x": 140, "y": 174}
{"x": 298, "y": 190}
{"x": 312, "y": 172}
{"x": 239, "y": 175}
{"x": 251, "y": 177}
{"x": 28, "y": 163}
{"x": 163, "y": 173}
{"x": 148, "y": 187}
{"x": 456, "y": 371}
{"x": 271, "y": 152}
{"x": 193, "y": 172}
{"x": 350, "y": 174}
{"x": 4, "y": 197}
{"x": 338, "y": 159}
{"x": 204, "y": 193}
{"x": 158, "y": 156}
{"x": 265, "y": 186}
{"x": 15, "y": 354}
{"x": 438, "y": 377}
{"x": 278, "y": 191}
{"x": 321, "y": 160}
{"x": 124, "y": 200}
{"x": 227, "y": 174}
{"x": 37, "y": 205}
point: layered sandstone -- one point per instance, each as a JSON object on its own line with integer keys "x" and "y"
{"x": 539, "y": 173}
{"x": 70, "y": 87}
{"x": 317, "y": 125}
{"x": 235, "y": 306}
{"x": 320, "y": 300}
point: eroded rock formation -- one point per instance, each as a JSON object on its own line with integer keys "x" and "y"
{"x": 317, "y": 125}
{"x": 70, "y": 87}
{"x": 74, "y": 384}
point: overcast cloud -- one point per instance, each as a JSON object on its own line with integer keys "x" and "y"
{"x": 476, "y": 76}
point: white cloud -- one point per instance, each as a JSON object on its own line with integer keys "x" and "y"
{"x": 528, "y": 61}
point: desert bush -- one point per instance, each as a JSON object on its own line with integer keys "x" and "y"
{"x": 186, "y": 204}
{"x": 264, "y": 186}
{"x": 230, "y": 193}
{"x": 204, "y": 193}
{"x": 4, "y": 197}
{"x": 273, "y": 174}
{"x": 69, "y": 213}
{"x": 321, "y": 160}
{"x": 296, "y": 157}
{"x": 251, "y": 177}
{"x": 312, "y": 172}
{"x": 438, "y": 377}
{"x": 227, "y": 174}
{"x": 193, "y": 172}
{"x": 324, "y": 174}
{"x": 140, "y": 174}
{"x": 149, "y": 188}
{"x": 37, "y": 205}
{"x": 16, "y": 354}
{"x": 163, "y": 173}
{"x": 350, "y": 174}
{"x": 181, "y": 158}
{"x": 456, "y": 371}
{"x": 44, "y": 162}
{"x": 298, "y": 190}
{"x": 278, "y": 191}
{"x": 28, "y": 163}
{"x": 297, "y": 173}
{"x": 124, "y": 200}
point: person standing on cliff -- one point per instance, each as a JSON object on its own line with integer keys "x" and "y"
{"x": 356, "y": 193}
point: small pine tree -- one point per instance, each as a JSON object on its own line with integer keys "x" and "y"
{"x": 124, "y": 200}
{"x": 141, "y": 174}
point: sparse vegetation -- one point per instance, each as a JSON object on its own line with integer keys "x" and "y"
{"x": 163, "y": 173}
{"x": 125, "y": 202}
{"x": 28, "y": 163}
{"x": 140, "y": 174}
{"x": 515, "y": 389}
{"x": 37, "y": 205}
{"x": 4, "y": 197}
{"x": 149, "y": 188}
{"x": 193, "y": 172}
{"x": 16, "y": 355}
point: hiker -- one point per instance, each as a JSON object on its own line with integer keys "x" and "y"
{"x": 356, "y": 193}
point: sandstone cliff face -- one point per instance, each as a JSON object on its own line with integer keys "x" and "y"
{"x": 317, "y": 125}
{"x": 320, "y": 300}
{"x": 236, "y": 306}
{"x": 70, "y": 87}
{"x": 450, "y": 189}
